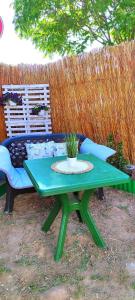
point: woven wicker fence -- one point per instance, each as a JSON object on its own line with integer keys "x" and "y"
{"x": 92, "y": 93}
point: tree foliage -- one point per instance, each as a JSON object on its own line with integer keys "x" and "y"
{"x": 70, "y": 26}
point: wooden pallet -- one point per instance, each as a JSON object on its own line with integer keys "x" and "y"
{"x": 18, "y": 119}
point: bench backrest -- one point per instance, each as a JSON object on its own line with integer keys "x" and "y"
{"x": 17, "y": 148}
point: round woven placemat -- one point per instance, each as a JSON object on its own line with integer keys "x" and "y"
{"x": 80, "y": 167}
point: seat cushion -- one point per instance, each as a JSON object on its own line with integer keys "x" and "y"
{"x": 17, "y": 177}
{"x": 100, "y": 151}
{"x": 23, "y": 180}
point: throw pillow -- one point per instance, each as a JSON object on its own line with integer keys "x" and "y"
{"x": 100, "y": 151}
{"x": 60, "y": 149}
{"x": 40, "y": 150}
{"x": 49, "y": 149}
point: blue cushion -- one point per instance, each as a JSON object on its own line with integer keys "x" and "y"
{"x": 85, "y": 146}
{"x": 100, "y": 151}
{"x": 17, "y": 177}
{"x": 23, "y": 180}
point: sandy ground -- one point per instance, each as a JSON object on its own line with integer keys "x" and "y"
{"x": 27, "y": 266}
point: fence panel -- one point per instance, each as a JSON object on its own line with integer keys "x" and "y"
{"x": 92, "y": 93}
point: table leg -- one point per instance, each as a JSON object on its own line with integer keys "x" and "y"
{"x": 76, "y": 195}
{"x": 63, "y": 227}
{"x": 88, "y": 219}
{"x": 54, "y": 212}
{"x": 68, "y": 206}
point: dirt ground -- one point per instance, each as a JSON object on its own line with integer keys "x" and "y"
{"x": 27, "y": 267}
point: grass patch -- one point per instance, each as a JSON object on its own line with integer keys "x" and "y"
{"x": 79, "y": 292}
{"x": 123, "y": 276}
{"x": 73, "y": 279}
{"x": 34, "y": 288}
{"x": 85, "y": 262}
{"x": 57, "y": 280}
{"x": 4, "y": 268}
{"x": 133, "y": 285}
{"x": 100, "y": 277}
{"x": 30, "y": 221}
{"x": 9, "y": 222}
{"x": 27, "y": 261}
{"x": 2, "y": 215}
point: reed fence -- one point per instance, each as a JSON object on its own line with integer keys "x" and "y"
{"x": 93, "y": 93}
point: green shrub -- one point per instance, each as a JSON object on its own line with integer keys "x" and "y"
{"x": 118, "y": 160}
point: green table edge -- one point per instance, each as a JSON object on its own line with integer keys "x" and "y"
{"x": 77, "y": 187}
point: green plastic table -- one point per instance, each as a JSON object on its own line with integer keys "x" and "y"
{"x": 48, "y": 182}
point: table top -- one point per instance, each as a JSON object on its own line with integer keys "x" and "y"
{"x": 48, "y": 182}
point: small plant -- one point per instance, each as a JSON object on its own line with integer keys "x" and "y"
{"x": 72, "y": 145}
{"x": 118, "y": 160}
{"x": 4, "y": 268}
{"x": 10, "y": 97}
{"x": 36, "y": 109}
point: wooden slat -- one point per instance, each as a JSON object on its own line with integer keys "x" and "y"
{"x": 30, "y": 91}
{"x": 31, "y": 87}
{"x": 37, "y": 96}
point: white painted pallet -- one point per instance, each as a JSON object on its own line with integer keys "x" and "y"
{"x": 18, "y": 119}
